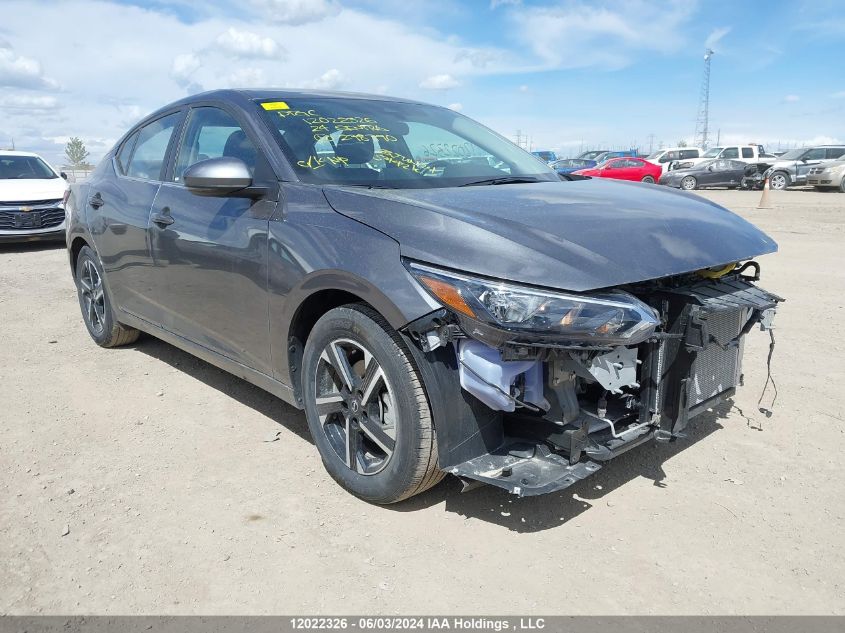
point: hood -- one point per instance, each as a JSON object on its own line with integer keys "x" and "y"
{"x": 578, "y": 235}
{"x": 22, "y": 190}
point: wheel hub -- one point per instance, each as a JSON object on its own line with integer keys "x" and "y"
{"x": 355, "y": 406}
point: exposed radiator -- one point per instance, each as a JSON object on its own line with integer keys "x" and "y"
{"x": 717, "y": 369}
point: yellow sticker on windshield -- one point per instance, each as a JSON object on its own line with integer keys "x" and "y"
{"x": 275, "y": 105}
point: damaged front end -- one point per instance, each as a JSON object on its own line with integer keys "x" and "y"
{"x": 532, "y": 390}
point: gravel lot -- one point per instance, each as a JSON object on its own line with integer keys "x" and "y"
{"x": 159, "y": 468}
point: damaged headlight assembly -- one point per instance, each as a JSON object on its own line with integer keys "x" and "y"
{"x": 596, "y": 319}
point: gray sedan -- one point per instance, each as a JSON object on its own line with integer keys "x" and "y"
{"x": 436, "y": 299}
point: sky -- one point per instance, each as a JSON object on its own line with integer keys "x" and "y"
{"x": 567, "y": 74}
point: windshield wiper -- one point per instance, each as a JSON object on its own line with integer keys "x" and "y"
{"x": 502, "y": 180}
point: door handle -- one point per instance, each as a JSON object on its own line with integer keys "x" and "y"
{"x": 96, "y": 201}
{"x": 164, "y": 218}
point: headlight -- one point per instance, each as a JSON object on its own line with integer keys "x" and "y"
{"x": 605, "y": 318}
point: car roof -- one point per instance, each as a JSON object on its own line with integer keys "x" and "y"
{"x": 14, "y": 152}
{"x": 231, "y": 94}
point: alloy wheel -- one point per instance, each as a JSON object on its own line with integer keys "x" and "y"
{"x": 355, "y": 406}
{"x": 688, "y": 183}
{"x": 93, "y": 296}
{"x": 777, "y": 181}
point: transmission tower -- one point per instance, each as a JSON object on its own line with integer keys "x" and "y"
{"x": 703, "y": 121}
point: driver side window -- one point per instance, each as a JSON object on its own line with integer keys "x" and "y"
{"x": 213, "y": 133}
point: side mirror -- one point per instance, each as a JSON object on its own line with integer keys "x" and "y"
{"x": 710, "y": 168}
{"x": 225, "y": 177}
{"x": 63, "y": 175}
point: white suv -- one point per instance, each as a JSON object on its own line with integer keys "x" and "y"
{"x": 32, "y": 197}
{"x": 669, "y": 157}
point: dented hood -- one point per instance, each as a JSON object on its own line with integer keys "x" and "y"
{"x": 578, "y": 235}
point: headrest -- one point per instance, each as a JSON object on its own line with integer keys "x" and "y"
{"x": 238, "y": 146}
{"x": 355, "y": 151}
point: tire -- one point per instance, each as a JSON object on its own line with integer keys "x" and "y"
{"x": 842, "y": 186}
{"x": 367, "y": 408}
{"x": 95, "y": 303}
{"x": 648, "y": 179}
{"x": 689, "y": 183}
{"x": 779, "y": 181}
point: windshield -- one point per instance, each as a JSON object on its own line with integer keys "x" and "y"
{"x": 591, "y": 154}
{"x": 656, "y": 155}
{"x": 713, "y": 152}
{"x": 793, "y": 154}
{"x": 393, "y": 144}
{"x": 24, "y": 168}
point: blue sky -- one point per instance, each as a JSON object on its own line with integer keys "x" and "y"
{"x": 567, "y": 73}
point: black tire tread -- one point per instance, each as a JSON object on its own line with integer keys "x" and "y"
{"x": 119, "y": 334}
{"x": 427, "y": 473}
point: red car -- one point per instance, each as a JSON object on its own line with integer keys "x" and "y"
{"x": 625, "y": 169}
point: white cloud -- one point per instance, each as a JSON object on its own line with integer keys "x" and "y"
{"x": 28, "y": 103}
{"x": 839, "y": 95}
{"x": 560, "y": 35}
{"x": 457, "y": 107}
{"x": 792, "y": 98}
{"x": 495, "y": 4}
{"x": 716, "y": 36}
{"x": 329, "y": 80}
{"x": 246, "y": 78}
{"x": 184, "y": 70}
{"x": 247, "y": 44}
{"x": 439, "y": 82}
{"x": 297, "y": 12}
{"x": 17, "y": 71}
{"x": 523, "y": 88}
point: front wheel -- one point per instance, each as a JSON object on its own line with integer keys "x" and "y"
{"x": 689, "y": 183}
{"x": 648, "y": 179}
{"x": 367, "y": 408}
{"x": 779, "y": 181}
{"x": 96, "y": 305}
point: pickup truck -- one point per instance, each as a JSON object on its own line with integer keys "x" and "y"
{"x": 744, "y": 153}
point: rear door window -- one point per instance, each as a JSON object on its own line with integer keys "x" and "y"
{"x": 747, "y": 152}
{"x": 688, "y": 153}
{"x": 125, "y": 152}
{"x": 147, "y": 161}
{"x": 835, "y": 152}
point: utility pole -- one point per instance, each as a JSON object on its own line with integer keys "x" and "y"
{"x": 650, "y": 143}
{"x": 702, "y": 123}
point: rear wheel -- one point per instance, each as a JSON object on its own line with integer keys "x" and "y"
{"x": 688, "y": 183}
{"x": 96, "y": 304}
{"x": 367, "y": 408}
{"x": 779, "y": 180}
{"x": 648, "y": 179}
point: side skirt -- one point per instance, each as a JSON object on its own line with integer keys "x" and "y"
{"x": 263, "y": 381}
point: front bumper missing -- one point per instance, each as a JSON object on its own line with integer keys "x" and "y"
{"x": 690, "y": 367}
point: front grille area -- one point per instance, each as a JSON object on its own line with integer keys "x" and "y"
{"x": 716, "y": 368}
{"x": 41, "y": 214}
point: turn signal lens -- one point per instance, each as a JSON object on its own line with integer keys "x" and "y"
{"x": 449, "y": 295}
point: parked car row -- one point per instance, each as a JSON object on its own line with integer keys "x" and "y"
{"x": 732, "y": 166}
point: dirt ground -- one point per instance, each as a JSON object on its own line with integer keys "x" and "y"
{"x": 159, "y": 468}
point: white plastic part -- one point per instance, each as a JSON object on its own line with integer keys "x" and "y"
{"x": 485, "y": 375}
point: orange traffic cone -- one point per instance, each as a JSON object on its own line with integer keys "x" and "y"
{"x": 764, "y": 199}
